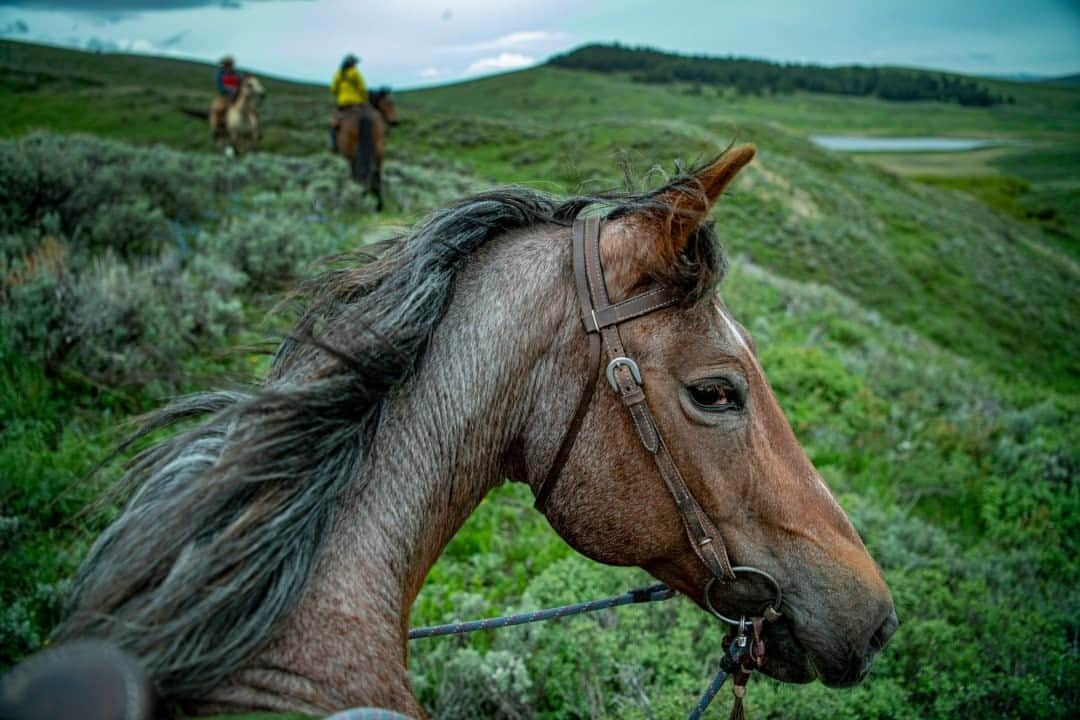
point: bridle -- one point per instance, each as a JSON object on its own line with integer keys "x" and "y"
{"x": 601, "y": 319}
{"x": 744, "y": 644}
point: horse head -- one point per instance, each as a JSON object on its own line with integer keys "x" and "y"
{"x": 253, "y": 88}
{"x": 728, "y": 437}
{"x": 384, "y": 103}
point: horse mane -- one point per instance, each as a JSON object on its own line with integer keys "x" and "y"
{"x": 225, "y": 520}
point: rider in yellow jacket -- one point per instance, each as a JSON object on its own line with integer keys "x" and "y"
{"x": 348, "y": 85}
{"x": 349, "y": 91}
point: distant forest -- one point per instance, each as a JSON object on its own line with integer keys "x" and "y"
{"x": 760, "y": 76}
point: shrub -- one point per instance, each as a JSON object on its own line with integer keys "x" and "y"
{"x": 490, "y": 684}
{"x": 129, "y": 325}
{"x": 32, "y": 324}
{"x": 133, "y": 229}
{"x": 271, "y": 249}
{"x": 118, "y": 325}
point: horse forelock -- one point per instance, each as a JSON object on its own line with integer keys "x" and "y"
{"x": 227, "y": 520}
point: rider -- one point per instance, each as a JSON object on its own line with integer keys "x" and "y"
{"x": 227, "y": 82}
{"x": 349, "y": 92}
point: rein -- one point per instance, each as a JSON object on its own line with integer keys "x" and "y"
{"x": 737, "y": 646}
{"x": 601, "y": 318}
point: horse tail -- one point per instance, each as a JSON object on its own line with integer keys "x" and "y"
{"x": 364, "y": 160}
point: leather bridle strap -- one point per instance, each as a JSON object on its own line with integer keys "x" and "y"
{"x": 601, "y": 320}
{"x": 595, "y": 358}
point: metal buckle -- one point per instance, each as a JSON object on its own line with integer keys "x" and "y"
{"x": 772, "y": 611}
{"x": 629, "y": 364}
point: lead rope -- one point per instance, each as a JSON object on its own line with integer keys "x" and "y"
{"x": 740, "y": 655}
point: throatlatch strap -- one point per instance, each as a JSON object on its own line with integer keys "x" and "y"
{"x": 549, "y": 481}
{"x": 595, "y": 358}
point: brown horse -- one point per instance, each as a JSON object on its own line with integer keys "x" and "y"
{"x": 361, "y": 138}
{"x": 270, "y": 555}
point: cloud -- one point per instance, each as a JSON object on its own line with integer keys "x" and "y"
{"x": 500, "y": 62}
{"x": 430, "y": 73}
{"x": 18, "y": 27}
{"x": 107, "y": 45}
{"x": 513, "y": 40}
{"x": 96, "y": 44}
{"x": 111, "y": 6}
{"x": 173, "y": 40}
{"x": 982, "y": 58}
{"x": 113, "y": 11}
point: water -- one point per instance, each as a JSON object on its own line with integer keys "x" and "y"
{"x": 857, "y": 143}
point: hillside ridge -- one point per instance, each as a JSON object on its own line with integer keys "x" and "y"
{"x": 752, "y": 75}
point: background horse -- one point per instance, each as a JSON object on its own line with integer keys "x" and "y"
{"x": 241, "y": 126}
{"x": 270, "y": 554}
{"x": 361, "y": 139}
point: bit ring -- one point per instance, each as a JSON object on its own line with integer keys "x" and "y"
{"x": 771, "y": 612}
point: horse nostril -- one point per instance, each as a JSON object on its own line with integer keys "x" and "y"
{"x": 881, "y": 636}
{"x": 878, "y": 640}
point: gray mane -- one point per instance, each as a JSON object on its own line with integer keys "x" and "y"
{"x": 226, "y": 520}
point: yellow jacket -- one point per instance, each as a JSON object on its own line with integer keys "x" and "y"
{"x": 348, "y": 87}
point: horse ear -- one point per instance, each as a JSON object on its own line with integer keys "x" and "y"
{"x": 682, "y": 208}
{"x": 648, "y": 244}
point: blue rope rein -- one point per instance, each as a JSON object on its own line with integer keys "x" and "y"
{"x": 707, "y": 696}
{"x": 652, "y": 593}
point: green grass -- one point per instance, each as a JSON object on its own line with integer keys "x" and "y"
{"x": 923, "y": 258}
{"x": 917, "y": 316}
{"x": 133, "y": 98}
{"x": 547, "y": 94}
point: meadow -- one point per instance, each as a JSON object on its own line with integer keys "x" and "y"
{"x": 916, "y": 315}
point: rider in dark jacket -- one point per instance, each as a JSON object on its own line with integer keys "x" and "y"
{"x": 227, "y": 79}
{"x": 227, "y": 83}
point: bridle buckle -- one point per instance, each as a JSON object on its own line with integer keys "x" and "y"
{"x": 635, "y": 371}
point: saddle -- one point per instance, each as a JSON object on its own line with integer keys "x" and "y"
{"x": 340, "y": 112}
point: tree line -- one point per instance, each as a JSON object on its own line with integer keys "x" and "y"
{"x": 756, "y": 77}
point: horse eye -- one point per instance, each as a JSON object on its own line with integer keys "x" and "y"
{"x": 714, "y": 396}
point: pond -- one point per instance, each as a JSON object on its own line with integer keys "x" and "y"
{"x": 857, "y": 143}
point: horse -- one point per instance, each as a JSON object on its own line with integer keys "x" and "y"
{"x": 272, "y": 548}
{"x": 240, "y": 128}
{"x": 361, "y": 139}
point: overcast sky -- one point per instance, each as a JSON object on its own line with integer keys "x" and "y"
{"x": 417, "y": 42}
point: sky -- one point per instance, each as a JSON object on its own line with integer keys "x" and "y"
{"x": 408, "y": 43}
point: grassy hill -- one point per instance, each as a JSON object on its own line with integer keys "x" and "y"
{"x": 1068, "y": 80}
{"x": 917, "y": 316}
{"x": 927, "y": 257}
{"x": 750, "y": 76}
{"x": 132, "y": 97}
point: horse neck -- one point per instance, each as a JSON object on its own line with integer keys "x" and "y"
{"x": 443, "y": 442}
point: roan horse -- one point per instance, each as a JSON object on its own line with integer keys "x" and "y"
{"x": 269, "y": 555}
{"x": 240, "y": 131}
{"x": 361, "y": 139}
